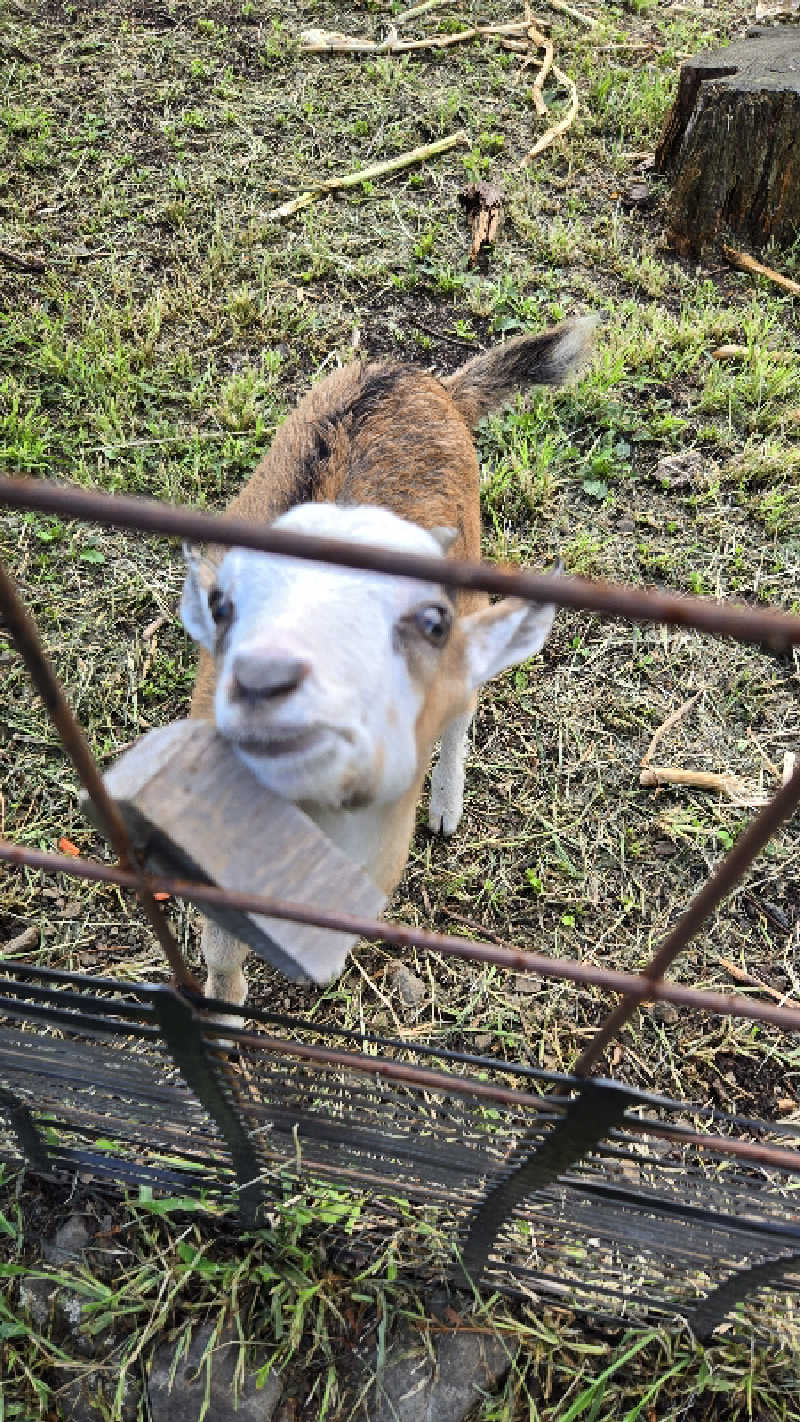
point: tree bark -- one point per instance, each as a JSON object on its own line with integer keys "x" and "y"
{"x": 732, "y": 140}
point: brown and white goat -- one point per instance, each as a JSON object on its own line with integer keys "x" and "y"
{"x": 335, "y": 684}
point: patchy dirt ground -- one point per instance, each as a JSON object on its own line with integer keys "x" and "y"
{"x": 156, "y": 324}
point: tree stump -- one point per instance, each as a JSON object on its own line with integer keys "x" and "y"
{"x": 733, "y": 141}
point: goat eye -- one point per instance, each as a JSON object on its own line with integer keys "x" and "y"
{"x": 434, "y": 622}
{"x": 220, "y": 606}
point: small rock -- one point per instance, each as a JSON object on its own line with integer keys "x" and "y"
{"x": 90, "y": 1399}
{"x": 483, "y": 1041}
{"x": 680, "y": 470}
{"x": 36, "y": 1299}
{"x": 665, "y": 1012}
{"x": 626, "y": 525}
{"x": 411, "y": 989}
{"x": 637, "y": 195}
{"x": 180, "y": 1399}
{"x": 467, "y": 1366}
{"x": 72, "y": 909}
{"x": 70, "y": 1241}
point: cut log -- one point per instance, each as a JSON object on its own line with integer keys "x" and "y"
{"x": 195, "y": 811}
{"x": 731, "y": 140}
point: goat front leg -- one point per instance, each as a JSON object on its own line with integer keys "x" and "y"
{"x": 447, "y": 780}
{"x": 224, "y": 956}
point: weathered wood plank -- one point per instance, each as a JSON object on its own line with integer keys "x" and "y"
{"x": 194, "y": 809}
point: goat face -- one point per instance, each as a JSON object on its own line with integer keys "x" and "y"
{"x": 333, "y": 683}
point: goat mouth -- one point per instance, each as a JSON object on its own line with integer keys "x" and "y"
{"x": 291, "y": 743}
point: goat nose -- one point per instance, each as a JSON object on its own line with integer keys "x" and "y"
{"x": 259, "y": 677}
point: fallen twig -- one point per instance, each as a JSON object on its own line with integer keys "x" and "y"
{"x": 417, "y": 10}
{"x": 363, "y": 175}
{"x": 334, "y": 42}
{"x": 729, "y": 785}
{"x": 558, "y": 128}
{"x": 742, "y": 352}
{"x": 564, "y": 9}
{"x": 476, "y": 927}
{"x": 744, "y": 977}
{"x": 541, "y": 41}
{"x": 150, "y": 630}
{"x": 749, "y": 264}
{"x": 672, "y": 719}
{"x": 190, "y": 438}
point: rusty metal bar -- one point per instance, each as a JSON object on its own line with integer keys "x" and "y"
{"x": 404, "y": 936}
{"x": 777, "y": 630}
{"x": 776, "y": 1156}
{"x": 26, "y": 638}
{"x": 725, "y": 877}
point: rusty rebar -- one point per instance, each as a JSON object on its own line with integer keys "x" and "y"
{"x": 28, "y": 643}
{"x": 405, "y": 936}
{"x": 777, "y": 630}
{"x": 725, "y": 877}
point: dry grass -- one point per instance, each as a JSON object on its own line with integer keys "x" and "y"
{"x": 174, "y": 326}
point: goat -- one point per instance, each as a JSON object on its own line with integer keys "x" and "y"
{"x": 334, "y": 684}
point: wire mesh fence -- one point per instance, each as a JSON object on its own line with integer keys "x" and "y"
{"x": 571, "y": 1187}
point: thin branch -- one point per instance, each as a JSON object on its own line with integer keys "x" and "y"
{"x": 540, "y": 41}
{"x": 671, "y": 720}
{"x": 742, "y": 976}
{"x": 729, "y": 785}
{"x": 749, "y": 264}
{"x": 558, "y": 128}
{"x": 742, "y": 353}
{"x": 364, "y": 175}
{"x": 200, "y": 436}
{"x": 564, "y": 9}
{"x": 417, "y": 10}
{"x": 334, "y": 42}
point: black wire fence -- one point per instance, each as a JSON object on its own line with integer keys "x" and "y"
{"x": 573, "y": 1188}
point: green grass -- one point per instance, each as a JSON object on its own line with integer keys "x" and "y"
{"x": 172, "y": 328}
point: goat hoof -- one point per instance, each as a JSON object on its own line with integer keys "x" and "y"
{"x": 442, "y": 823}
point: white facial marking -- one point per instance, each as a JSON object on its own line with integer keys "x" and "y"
{"x": 314, "y": 686}
{"x": 322, "y": 672}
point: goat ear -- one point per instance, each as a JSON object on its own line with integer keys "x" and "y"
{"x": 195, "y": 614}
{"x": 509, "y": 632}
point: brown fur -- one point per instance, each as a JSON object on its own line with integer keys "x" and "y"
{"x": 368, "y": 435}
{"x": 395, "y": 436}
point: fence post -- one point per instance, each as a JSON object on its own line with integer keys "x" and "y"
{"x": 599, "y": 1106}
{"x": 714, "y": 1308}
{"x": 26, "y": 1131}
{"x": 207, "y": 1076}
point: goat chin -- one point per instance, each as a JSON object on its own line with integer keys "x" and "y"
{"x": 333, "y": 683}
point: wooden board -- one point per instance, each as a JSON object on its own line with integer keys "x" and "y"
{"x": 194, "y": 810}
{"x": 732, "y": 142}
